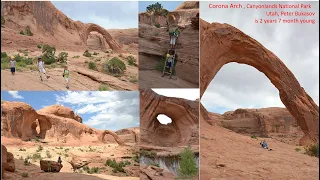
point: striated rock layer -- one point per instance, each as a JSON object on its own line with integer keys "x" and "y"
{"x": 184, "y": 115}
{"x": 20, "y": 120}
{"x": 46, "y": 21}
{"x": 223, "y": 43}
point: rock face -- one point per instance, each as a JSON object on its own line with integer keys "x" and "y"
{"x": 155, "y": 173}
{"x": 184, "y": 114}
{"x": 265, "y": 122}
{"x": 61, "y": 111}
{"x": 50, "y": 166}
{"x": 7, "y": 160}
{"x": 20, "y": 120}
{"x": 129, "y": 135}
{"x": 47, "y": 21}
{"x": 154, "y": 42}
{"x": 223, "y": 43}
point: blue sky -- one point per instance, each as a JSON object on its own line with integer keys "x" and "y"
{"x": 108, "y": 14}
{"x": 169, "y": 5}
{"x": 102, "y": 110}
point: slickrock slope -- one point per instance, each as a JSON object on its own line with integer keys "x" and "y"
{"x": 48, "y": 24}
{"x": 184, "y": 114}
{"x": 223, "y": 43}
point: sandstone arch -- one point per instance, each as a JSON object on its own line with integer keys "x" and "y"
{"x": 223, "y": 43}
{"x": 93, "y": 27}
{"x": 116, "y": 137}
{"x": 181, "y": 131}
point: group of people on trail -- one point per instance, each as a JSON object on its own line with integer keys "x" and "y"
{"x": 41, "y": 68}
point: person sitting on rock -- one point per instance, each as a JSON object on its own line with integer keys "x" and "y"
{"x": 264, "y": 144}
{"x": 59, "y": 160}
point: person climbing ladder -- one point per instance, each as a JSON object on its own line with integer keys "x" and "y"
{"x": 173, "y": 37}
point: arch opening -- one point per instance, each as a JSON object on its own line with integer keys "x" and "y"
{"x": 96, "y": 41}
{"x": 164, "y": 119}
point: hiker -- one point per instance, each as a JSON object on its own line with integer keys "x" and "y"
{"x": 59, "y": 160}
{"x": 170, "y": 62}
{"x": 66, "y": 74}
{"x": 264, "y": 144}
{"x": 12, "y": 65}
{"x": 41, "y": 68}
{"x": 173, "y": 37}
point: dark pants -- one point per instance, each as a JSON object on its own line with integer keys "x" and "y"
{"x": 13, "y": 69}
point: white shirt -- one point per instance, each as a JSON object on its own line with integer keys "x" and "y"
{"x": 40, "y": 64}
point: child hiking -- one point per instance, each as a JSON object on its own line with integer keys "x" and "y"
{"x": 12, "y": 65}
{"x": 41, "y": 68}
{"x": 66, "y": 75}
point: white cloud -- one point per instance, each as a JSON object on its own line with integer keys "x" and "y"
{"x": 105, "y": 110}
{"x": 15, "y": 94}
{"x": 190, "y": 94}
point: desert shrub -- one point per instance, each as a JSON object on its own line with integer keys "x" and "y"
{"x": 28, "y": 31}
{"x": 48, "y": 54}
{"x": 157, "y": 25}
{"x": 22, "y": 33}
{"x": 3, "y": 21}
{"x": 26, "y": 162}
{"x": 87, "y": 53}
{"x": 312, "y": 150}
{"x": 254, "y": 137}
{"x": 24, "y": 174}
{"x": 4, "y": 54}
{"x": 22, "y": 149}
{"x": 39, "y": 46}
{"x": 48, "y": 154}
{"x": 93, "y": 170}
{"x": 40, "y": 148}
{"x": 136, "y": 158}
{"x": 114, "y": 66}
{"x": 150, "y": 154}
{"x": 157, "y": 9}
{"x": 75, "y": 56}
{"x": 62, "y": 57}
{"x": 188, "y": 167}
{"x": 131, "y": 61}
{"x": 103, "y": 87}
{"x": 36, "y": 157}
{"x": 133, "y": 79}
{"x": 298, "y": 149}
{"x": 117, "y": 167}
{"x": 92, "y": 65}
{"x": 95, "y": 53}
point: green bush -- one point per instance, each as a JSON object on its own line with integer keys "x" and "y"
{"x": 150, "y": 154}
{"x": 114, "y": 66}
{"x": 28, "y": 31}
{"x": 3, "y": 21}
{"x": 48, "y": 54}
{"x": 312, "y": 150}
{"x": 95, "y": 53}
{"x": 103, "y": 87}
{"x": 22, "y": 33}
{"x": 40, "y": 148}
{"x": 133, "y": 79}
{"x": 26, "y": 162}
{"x": 62, "y": 57}
{"x": 36, "y": 157}
{"x": 25, "y": 174}
{"x": 188, "y": 167}
{"x": 4, "y": 54}
{"x": 254, "y": 137}
{"x": 87, "y": 53}
{"x": 298, "y": 149}
{"x": 136, "y": 158}
{"x": 157, "y": 25}
{"x": 131, "y": 61}
{"x": 39, "y": 46}
{"x": 93, "y": 170}
{"x": 117, "y": 167}
{"x": 92, "y": 65}
{"x": 75, "y": 56}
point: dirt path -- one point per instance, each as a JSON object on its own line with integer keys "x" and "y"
{"x": 80, "y": 79}
{"x": 228, "y": 155}
{"x": 154, "y": 79}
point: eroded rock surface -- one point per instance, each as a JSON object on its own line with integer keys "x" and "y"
{"x": 155, "y": 173}
{"x": 184, "y": 114}
{"x": 50, "y": 166}
{"x": 223, "y": 43}
{"x": 61, "y": 111}
{"x": 7, "y": 160}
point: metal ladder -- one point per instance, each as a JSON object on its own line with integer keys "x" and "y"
{"x": 166, "y": 68}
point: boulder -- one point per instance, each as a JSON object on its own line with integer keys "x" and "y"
{"x": 50, "y": 166}
{"x": 7, "y": 160}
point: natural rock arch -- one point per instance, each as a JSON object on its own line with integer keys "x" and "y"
{"x": 223, "y": 43}
{"x": 183, "y": 113}
{"x": 116, "y": 137}
{"x": 93, "y": 27}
